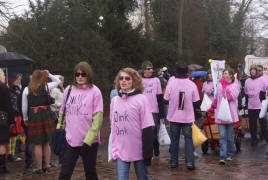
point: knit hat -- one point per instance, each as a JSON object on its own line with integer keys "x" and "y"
{"x": 145, "y": 64}
{"x": 181, "y": 69}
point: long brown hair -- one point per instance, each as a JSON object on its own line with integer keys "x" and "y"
{"x": 86, "y": 68}
{"x": 39, "y": 78}
{"x": 135, "y": 76}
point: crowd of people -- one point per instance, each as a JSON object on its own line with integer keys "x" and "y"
{"x": 36, "y": 106}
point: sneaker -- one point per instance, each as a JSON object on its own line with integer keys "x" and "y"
{"x": 222, "y": 162}
{"x": 156, "y": 152}
{"x": 172, "y": 166}
{"x": 190, "y": 167}
{"x": 229, "y": 159}
{"x": 38, "y": 171}
{"x": 196, "y": 155}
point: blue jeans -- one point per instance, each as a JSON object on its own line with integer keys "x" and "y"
{"x": 122, "y": 170}
{"x": 227, "y": 148}
{"x": 175, "y": 129}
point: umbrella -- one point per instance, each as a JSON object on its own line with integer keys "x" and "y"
{"x": 195, "y": 66}
{"x": 13, "y": 59}
{"x": 198, "y": 73}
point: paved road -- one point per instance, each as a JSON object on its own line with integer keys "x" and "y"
{"x": 249, "y": 164}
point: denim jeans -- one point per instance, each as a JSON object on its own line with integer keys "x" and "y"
{"x": 155, "y": 131}
{"x": 122, "y": 170}
{"x": 227, "y": 147}
{"x": 175, "y": 129}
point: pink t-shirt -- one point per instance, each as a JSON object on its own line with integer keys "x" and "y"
{"x": 82, "y": 104}
{"x": 233, "y": 104}
{"x": 152, "y": 87}
{"x": 208, "y": 86}
{"x": 264, "y": 88}
{"x": 252, "y": 89}
{"x": 174, "y": 87}
{"x": 128, "y": 117}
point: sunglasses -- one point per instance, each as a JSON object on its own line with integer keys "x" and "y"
{"x": 149, "y": 69}
{"x": 77, "y": 74}
{"x": 127, "y": 78}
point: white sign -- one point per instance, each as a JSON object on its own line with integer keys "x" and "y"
{"x": 217, "y": 68}
{"x": 250, "y": 59}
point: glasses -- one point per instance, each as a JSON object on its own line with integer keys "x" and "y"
{"x": 149, "y": 69}
{"x": 77, "y": 74}
{"x": 127, "y": 78}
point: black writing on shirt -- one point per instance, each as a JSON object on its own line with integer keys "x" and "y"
{"x": 148, "y": 88}
{"x": 76, "y": 106}
{"x": 121, "y": 118}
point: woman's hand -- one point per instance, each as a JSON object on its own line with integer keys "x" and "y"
{"x": 26, "y": 123}
{"x": 46, "y": 71}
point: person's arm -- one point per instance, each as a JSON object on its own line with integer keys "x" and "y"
{"x": 55, "y": 82}
{"x": 25, "y": 104}
{"x": 95, "y": 128}
{"x": 147, "y": 145}
{"x": 96, "y": 119}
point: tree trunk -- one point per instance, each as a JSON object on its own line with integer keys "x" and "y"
{"x": 181, "y": 7}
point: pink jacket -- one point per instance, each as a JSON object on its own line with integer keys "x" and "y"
{"x": 231, "y": 92}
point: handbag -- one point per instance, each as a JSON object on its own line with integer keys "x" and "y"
{"x": 197, "y": 136}
{"x": 224, "y": 113}
{"x": 4, "y": 119}
{"x": 163, "y": 137}
{"x": 58, "y": 137}
{"x": 50, "y": 100}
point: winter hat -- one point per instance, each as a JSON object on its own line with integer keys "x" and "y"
{"x": 181, "y": 69}
{"x": 146, "y": 64}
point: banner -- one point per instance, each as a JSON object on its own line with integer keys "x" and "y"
{"x": 250, "y": 59}
{"x": 217, "y": 68}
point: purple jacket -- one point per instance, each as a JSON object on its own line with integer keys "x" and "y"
{"x": 231, "y": 92}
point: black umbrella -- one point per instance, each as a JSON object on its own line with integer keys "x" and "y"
{"x": 8, "y": 59}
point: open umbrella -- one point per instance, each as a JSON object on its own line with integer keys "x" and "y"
{"x": 198, "y": 73}
{"x": 8, "y": 59}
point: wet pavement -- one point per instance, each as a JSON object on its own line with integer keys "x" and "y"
{"x": 249, "y": 164}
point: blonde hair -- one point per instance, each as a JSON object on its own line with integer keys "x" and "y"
{"x": 2, "y": 76}
{"x": 135, "y": 76}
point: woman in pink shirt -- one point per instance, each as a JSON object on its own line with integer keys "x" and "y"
{"x": 229, "y": 89}
{"x": 131, "y": 126}
{"x": 83, "y": 118}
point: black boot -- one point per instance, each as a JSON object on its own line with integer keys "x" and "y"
{"x": 3, "y": 168}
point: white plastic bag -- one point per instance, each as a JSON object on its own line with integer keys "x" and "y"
{"x": 110, "y": 157}
{"x": 224, "y": 111}
{"x": 264, "y": 106}
{"x": 163, "y": 137}
{"x": 206, "y": 103}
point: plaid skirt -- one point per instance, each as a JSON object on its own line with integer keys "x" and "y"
{"x": 41, "y": 125}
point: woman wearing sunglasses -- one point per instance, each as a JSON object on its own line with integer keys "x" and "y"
{"x": 83, "y": 119}
{"x": 131, "y": 126}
